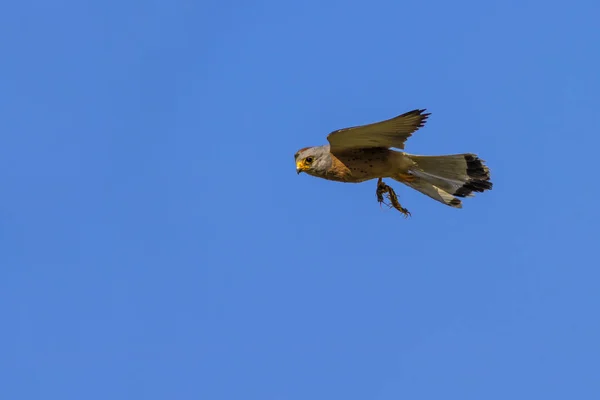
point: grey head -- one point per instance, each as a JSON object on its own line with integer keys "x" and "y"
{"x": 314, "y": 161}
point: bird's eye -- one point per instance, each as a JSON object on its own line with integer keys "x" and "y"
{"x": 309, "y": 160}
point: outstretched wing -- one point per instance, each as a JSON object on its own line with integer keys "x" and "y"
{"x": 389, "y": 133}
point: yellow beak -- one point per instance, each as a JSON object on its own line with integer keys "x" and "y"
{"x": 299, "y": 166}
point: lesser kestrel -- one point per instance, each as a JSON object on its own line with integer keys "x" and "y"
{"x": 361, "y": 153}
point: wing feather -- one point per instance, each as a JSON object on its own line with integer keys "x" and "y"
{"x": 389, "y": 133}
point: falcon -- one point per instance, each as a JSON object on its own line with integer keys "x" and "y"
{"x": 361, "y": 153}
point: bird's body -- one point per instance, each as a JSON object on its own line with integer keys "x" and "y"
{"x": 365, "y": 152}
{"x": 358, "y": 165}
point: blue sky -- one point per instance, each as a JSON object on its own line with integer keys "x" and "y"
{"x": 156, "y": 242}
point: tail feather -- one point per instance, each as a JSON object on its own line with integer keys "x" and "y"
{"x": 460, "y": 175}
{"x": 434, "y": 192}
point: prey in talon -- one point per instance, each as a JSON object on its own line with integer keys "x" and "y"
{"x": 382, "y": 189}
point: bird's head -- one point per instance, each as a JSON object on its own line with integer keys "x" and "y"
{"x": 312, "y": 160}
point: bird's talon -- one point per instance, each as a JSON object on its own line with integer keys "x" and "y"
{"x": 383, "y": 189}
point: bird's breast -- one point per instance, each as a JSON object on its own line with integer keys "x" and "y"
{"x": 365, "y": 164}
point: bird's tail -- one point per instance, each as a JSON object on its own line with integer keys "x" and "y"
{"x": 444, "y": 178}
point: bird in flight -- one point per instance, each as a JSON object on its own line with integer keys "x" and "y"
{"x": 365, "y": 152}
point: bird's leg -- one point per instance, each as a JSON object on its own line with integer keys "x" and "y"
{"x": 380, "y": 191}
{"x": 383, "y": 189}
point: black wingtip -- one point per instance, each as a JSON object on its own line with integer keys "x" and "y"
{"x": 418, "y": 112}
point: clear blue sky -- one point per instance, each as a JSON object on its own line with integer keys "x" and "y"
{"x": 156, "y": 242}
